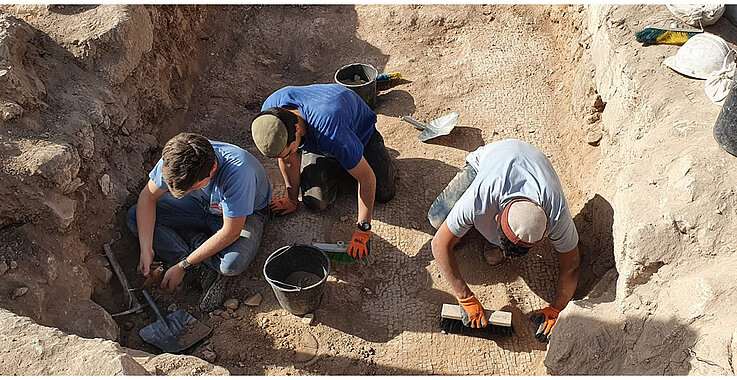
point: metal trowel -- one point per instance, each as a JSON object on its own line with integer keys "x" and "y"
{"x": 436, "y": 127}
{"x": 174, "y": 333}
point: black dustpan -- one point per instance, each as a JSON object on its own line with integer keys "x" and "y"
{"x": 174, "y": 333}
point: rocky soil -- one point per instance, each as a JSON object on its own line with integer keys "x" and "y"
{"x": 90, "y": 94}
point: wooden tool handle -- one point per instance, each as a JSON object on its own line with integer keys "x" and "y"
{"x": 495, "y": 317}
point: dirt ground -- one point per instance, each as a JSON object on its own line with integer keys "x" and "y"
{"x": 507, "y": 70}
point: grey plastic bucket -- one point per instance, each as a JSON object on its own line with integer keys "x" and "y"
{"x": 367, "y": 91}
{"x": 286, "y": 261}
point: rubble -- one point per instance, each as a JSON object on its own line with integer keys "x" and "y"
{"x": 307, "y": 319}
{"x": 254, "y": 300}
{"x": 20, "y": 291}
{"x": 231, "y": 304}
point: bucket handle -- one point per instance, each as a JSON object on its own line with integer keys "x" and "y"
{"x": 285, "y": 249}
{"x": 299, "y": 288}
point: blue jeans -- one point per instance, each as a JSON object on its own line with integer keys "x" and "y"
{"x": 174, "y": 215}
{"x": 447, "y": 199}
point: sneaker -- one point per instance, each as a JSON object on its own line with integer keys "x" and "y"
{"x": 213, "y": 290}
{"x": 493, "y": 255}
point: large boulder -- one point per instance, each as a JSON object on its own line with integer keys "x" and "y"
{"x": 28, "y": 349}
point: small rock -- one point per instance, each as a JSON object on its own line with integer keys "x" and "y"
{"x": 307, "y": 319}
{"x": 231, "y": 304}
{"x": 531, "y": 131}
{"x": 241, "y": 312}
{"x": 3, "y": 72}
{"x": 17, "y": 292}
{"x": 368, "y": 291}
{"x": 593, "y": 137}
{"x": 105, "y": 185}
{"x": 106, "y": 275}
{"x": 254, "y": 300}
{"x": 209, "y": 355}
{"x": 172, "y": 308}
{"x": 3, "y": 268}
{"x": 13, "y": 264}
{"x": 217, "y": 312}
{"x": 593, "y": 118}
{"x": 225, "y": 316}
{"x": 343, "y": 218}
{"x": 127, "y": 326}
{"x": 10, "y": 110}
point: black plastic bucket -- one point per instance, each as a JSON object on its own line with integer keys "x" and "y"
{"x": 725, "y": 129}
{"x": 297, "y": 274}
{"x": 367, "y": 91}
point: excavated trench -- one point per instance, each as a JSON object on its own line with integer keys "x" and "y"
{"x": 509, "y": 71}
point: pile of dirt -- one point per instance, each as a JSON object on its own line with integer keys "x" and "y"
{"x": 91, "y": 92}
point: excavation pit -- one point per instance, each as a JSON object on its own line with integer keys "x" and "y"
{"x": 111, "y": 95}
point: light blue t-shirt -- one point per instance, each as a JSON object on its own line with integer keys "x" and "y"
{"x": 240, "y": 185}
{"x": 339, "y": 123}
{"x": 507, "y": 170}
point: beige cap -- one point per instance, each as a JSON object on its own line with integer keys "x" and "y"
{"x": 269, "y": 134}
{"x": 524, "y": 222}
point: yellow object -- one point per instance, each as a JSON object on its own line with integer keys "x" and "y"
{"x": 673, "y": 38}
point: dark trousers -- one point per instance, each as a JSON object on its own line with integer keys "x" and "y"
{"x": 321, "y": 176}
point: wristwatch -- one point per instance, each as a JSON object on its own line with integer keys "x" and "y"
{"x": 363, "y": 226}
{"x": 186, "y": 265}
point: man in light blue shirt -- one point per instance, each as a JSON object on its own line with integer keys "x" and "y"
{"x": 204, "y": 186}
{"x": 510, "y": 193}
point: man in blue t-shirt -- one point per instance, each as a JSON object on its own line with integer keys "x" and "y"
{"x": 322, "y": 135}
{"x": 214, "y": 188}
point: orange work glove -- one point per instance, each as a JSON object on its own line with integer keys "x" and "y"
{"x": 545, "y": 319}
{"x": 281, "y": 207}
{"x": 472, "y": 313}
{"x": 360, "y": 245}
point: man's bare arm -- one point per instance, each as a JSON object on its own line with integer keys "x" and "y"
{"x": 290, "y": 168}
{"x": 567, "y": 278}
{"x": 442, "y": 249}
{"x": 366, "y": 189}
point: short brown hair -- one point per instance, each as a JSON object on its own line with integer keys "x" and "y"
{"x": 188, "y": 159}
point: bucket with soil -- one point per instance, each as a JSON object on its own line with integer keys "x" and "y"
{"x": 297, "y": 274}
{"x": 361, "y": 78}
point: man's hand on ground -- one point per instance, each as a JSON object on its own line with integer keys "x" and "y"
{"x": 360, "y": 244}
{"x": 172, "y": 278}
{"x": 545, "y": 320}
{"x": 281, "y": 207}
{"x": 144, "y": 263}
{"x": 472, "y": 312}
